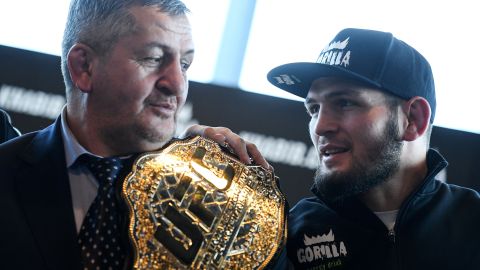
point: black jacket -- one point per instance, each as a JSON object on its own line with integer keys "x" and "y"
{"x": 37, "y": 221}
{"x": 437, "y": 227}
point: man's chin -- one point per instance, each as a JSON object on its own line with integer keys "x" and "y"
{"x": 339, "y": 185}
{"x": 334, "y": 187}
{"x": 156, "y": 134}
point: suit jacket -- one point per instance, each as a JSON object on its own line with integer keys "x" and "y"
{"x": 37, "y": 224}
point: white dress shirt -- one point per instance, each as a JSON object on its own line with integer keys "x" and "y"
{"x": 83, "y": 184}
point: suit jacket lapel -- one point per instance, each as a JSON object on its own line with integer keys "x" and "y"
{"x": 44, "y": 192}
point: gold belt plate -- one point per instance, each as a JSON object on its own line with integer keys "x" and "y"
{"x": 194, "y": 206}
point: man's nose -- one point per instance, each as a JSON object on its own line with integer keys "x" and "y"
{"x": 172, "y": 78}
{"x": 326, "y": 122}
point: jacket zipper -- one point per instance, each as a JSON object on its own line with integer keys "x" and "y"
{"x": 391, "y": 236}
{"x": 394, "y": 264}
{"x": 401, "y": 212}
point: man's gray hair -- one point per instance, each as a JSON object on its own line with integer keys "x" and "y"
{"x": 100, "y": 23}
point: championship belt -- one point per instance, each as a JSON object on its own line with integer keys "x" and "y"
{"x": 193, "y": 205}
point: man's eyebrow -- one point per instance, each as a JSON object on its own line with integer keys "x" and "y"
{"x": 343, "y": 92}
{"x": 308, "y": 100}
{"x": 334, "y": 94}
{"x": 191, "y": 51}
{"x": 156, "y": 44}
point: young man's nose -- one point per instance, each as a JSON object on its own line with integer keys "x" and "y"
{"x": 325, "y": 122}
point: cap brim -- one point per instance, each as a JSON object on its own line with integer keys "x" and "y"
{"x": 297, "y": 78}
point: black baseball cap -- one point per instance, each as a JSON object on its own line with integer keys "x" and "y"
{"x": 373, "y": 57}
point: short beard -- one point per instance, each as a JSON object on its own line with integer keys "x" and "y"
{"x": 382, "y": 162}
{"x": 153, "y": 136}
{"x": 135, "y": 138}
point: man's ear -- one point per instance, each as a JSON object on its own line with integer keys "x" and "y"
{"x": 417, "y": 112}
{"x": 80, "y": 61}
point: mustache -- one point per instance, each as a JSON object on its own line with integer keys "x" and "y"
{"x": 169, "y": 102}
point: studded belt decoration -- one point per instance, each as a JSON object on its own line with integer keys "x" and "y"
{"x": 194, "y": 205}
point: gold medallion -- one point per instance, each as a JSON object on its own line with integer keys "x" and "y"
{"x": 194, "y": 206}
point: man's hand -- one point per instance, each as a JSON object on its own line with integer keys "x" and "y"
{"x": 247, "y": 152}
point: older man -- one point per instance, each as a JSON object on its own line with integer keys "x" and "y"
{"x": 125, "y": 67}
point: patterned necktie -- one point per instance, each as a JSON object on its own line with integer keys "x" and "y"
{"x": 99, "y": 236}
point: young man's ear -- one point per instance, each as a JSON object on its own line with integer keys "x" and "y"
{"x": 79, "y": 61}
{"x": 417, "y": 112}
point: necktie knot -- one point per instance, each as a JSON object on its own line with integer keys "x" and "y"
{"x": 105, "y": 170}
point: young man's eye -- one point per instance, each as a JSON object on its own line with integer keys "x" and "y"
{"x": 313, "y": 109}
{"x": 344, "y": 103}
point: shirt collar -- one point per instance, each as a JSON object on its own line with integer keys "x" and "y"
{"x": 72, "y": 147}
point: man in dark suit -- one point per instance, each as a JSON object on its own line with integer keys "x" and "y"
{"x": 124, "y": 65}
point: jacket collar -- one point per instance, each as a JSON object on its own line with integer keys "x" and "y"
{"x": 435, "y": 163}
{"x": 353, "y": 208}
{"x": 44, "y": 193}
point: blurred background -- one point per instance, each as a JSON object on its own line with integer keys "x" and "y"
{"x": 237, "y": 43}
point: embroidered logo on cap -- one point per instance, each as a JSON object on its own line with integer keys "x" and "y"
{"x": 286, "y": 79}
{"x": 335, "y": 55}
